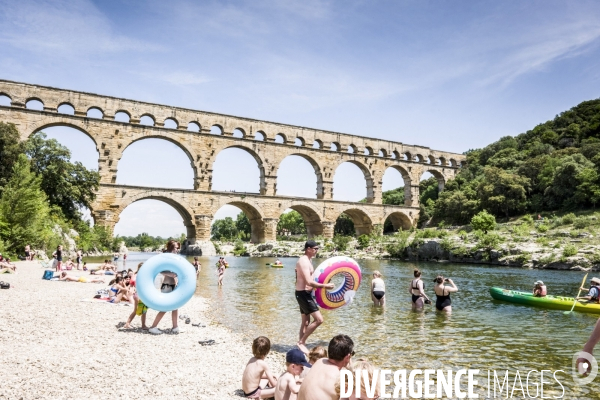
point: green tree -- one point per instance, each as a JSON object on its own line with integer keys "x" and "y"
{"x": 10, "y": 148}
{"x": 243, "y": 226}
{"x": 588, "y": 190}
{"x": 291, "y": 222}
{"x": 502, "y": 191}
{"x": 67, "y": 185}
{"x": 224, "y": 229}
{"x": 24, "y": 209}
{"x": 344, "y": 225}
{"x": 394, "y": 196}
{"x": 483, "y": 221}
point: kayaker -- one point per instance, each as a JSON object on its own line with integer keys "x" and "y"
{"x": 417, "y": 290}
{"x": 539, "y": 289}
{"x": 442, "y": 292}
{"x": 593, "y": 291}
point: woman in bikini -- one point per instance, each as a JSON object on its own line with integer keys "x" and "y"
{"x": 417, "y": 291}
{"x": 442, "y": 292}
{"x": 378, "y": 289}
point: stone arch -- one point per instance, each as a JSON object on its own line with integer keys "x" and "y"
{"x": 217, "y": 127}
{"x": 408, "y": 184}
{"x": 363, "y": 225}
{"x": 34, "y": 99}
{"x": 368, "y": 178}
{"x": 125, "y": 112}
{"x": 419, "y": 158}
{"x": 408, "y": 156}
{"x": 310, "y": 216}
{"x": 399, "y": 220}
{"x": 262, "y": 229}
{"x": 282, "y": 136}
{"x": 430, "y": 159}
{"x": 6, "y": 95}
{"x": 194, "y": 126}
{"x": 242, "y": 133}
{"x": 186, "y": 214}
{"x": 299, "y": 141}
{"x": 149, "y": 116}
{"x": 257, "y": 158}
{"x": 316, "y": 167}
{"x": 443, "y": 161}
{"x": 383, "y": 153}
{"x": 317, "y": 144}
{"x": 69, "y": 124}
{"x": 67, "y": 104}
{"x": 368, "y": 151}
{"x": 395, "y": 155}
{"x": 260, "y": 136}
{"x": 92, "y": 108}
{"x": 438, "y": 175}
{"x": 166, "y": 122}
{"x": 453, "y": 162}
{"x": 352, "y": 149}
{"x": 335, "y": 146}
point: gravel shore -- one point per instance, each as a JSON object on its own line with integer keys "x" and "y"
{"x": 56, "y": 342}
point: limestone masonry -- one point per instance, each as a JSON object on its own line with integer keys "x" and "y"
{"x": 191, "y": 131}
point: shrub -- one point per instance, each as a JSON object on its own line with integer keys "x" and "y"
{"x": 483, "y": 221}
{"x": 398, "y": 245}
{"x": 487, "y": 240}
{"x": 239, "y": 249}
{"x": 568, "y": 219}
{"x": 446, "y": 244}
{"x": 523, "y": 257}
{"x": 341, "y": 242}
{"x": 569, "y": 250}
{"x": 547, "y": 259}
{"x": 217, "y": 247}
{"x": 364, "y": 241}
{"x": 543, "y": 241}
{"x": 461, "y": 252}
{"x": 581, "y": 223}
{"x": 542, "y": 228}
{"x": 463, "y": 235}
{"x": 528, "y": 219}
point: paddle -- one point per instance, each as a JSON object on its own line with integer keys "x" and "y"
{"x": 578, "y": 293}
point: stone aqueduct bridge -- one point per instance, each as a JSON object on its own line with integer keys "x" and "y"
{"x": 191, "y": 131}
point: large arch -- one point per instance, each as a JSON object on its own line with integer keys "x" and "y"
{"x": 408, "y": 192}
{"x": 59, "y": 122}
{"x": 259, "y": 162}
{"x": 363, "y": 225}
{"x": 317, "y": 169}
{"x": 260, "y": 230}
{"x": 173, "y": 141}
{"x": 370, "y": 195}
{"x": 399, "y": 220}
{"x": 437, "y": 175}
{"x": 310, "y": 216}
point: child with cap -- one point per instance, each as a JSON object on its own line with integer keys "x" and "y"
{"x": 288, "y": 385}
{"x": 539, "y": 289}
{"x": 593, "y": 291}
{"x": 257, "y": 372}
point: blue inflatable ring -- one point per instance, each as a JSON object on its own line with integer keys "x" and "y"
{"x": 186, "y": 282}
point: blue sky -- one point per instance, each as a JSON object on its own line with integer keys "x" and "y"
{"x": 448, "y": 75}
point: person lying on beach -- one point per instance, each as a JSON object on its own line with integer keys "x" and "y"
{"x": 257, "y": 372}
{"x": 82, "y": 279}
{"x": 288, "y": 385}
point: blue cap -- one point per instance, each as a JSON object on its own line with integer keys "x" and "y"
{"x": 296, "y": 356}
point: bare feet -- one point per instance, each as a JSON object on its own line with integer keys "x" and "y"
{"x": 302, "y": 347}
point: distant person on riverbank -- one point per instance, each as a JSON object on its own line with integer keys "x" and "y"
{"x": 58, "y": 255}
{"x": 82, "y": 279}
{"x": 27, "y": 253}
{"x": 378, "y": 289}
{"x": 197, "y": 266}
{"x": 442, "y": 292}
{"x": 288, "y": 385}
{"x": 593, "y": 291}
{"x": 320, "y": 383}
{"x": 539, "y": 289}
{"x": 115, "y": 257}
{"x": 257, "y": 373}
{"x": 417, "y": 291}
{"x": 78, "y": 259}
{"x": 305, "y": 284}
{"x": 168, "y": 285}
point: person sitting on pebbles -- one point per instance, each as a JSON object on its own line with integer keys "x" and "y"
{"x": 82, "y": 279}
{"x": 257, "y": 373}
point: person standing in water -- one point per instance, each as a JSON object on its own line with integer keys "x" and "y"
{"x": 168, "y": 285}
{"x": 305, "y": 284}
{"x": 417, "y": 290}
{"x": 442, "y": 292}
{"x": 378, "y": 289}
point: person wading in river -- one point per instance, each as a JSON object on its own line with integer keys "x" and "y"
{"x": 305, "y": 284}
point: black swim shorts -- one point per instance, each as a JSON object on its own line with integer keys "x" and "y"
{"x": 306, "y": 302}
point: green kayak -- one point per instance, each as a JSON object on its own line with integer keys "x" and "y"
{"x": 273, "y": 265}
{"x": 552, "y": 302}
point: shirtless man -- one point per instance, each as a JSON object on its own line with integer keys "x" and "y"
{"x": 325, "y": 373}
{"x": 305, "y": 284}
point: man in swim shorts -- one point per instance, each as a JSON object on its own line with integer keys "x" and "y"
{"x": 305, "y": 284}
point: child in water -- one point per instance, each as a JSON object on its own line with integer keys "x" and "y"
{"x": 257, "y": 372}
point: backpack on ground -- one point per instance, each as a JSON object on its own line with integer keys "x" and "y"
{"x": 4, "y": 285}
{"x": 48, "y": 274}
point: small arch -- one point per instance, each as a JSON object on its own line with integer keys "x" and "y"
{"x": 317, "y": 144}
{"x": 239, "y": 133}
{"x": 383, "y": 153}
{"x": 193, "y": 127}
{"x": 362, "y": 222}
{"x": 442, "y": 161}
{"x": 368, "y": 151}
{"x": 260, "y": 136}
{"x": 335, "y": 146}
{"x": 395, "y": 155}
{"x": 398, "y": 221}
{"x": 299, "y": 142}
{"x": 122, "y": 116}
{"x": 171, "y": 123}
{"x": 352, "y": 149}
{"x": 430, "y": 160}
{"x": 66, "y": 108}
{"x": 34, "y": 104}
{"x": 407, "y": 156}
{"x": 463, "y": 163}
{"x": 419, "y": 158}
{"x": 280, "y": 138}
{"x": 453, "y": 162}
{"x": 5, "y": 100}
{"x": 216, "y": 130}
{"x": 147, "y": 120}
{"x": 95, "y": 112}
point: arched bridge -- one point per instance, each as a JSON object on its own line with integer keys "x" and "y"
{"x": 202, "y": 135}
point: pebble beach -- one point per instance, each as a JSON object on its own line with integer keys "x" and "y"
{"x": 57, "y": 342}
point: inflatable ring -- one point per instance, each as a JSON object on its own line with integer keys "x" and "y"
{"x": 343, "y": 294}
{"x": 154, "y": 298}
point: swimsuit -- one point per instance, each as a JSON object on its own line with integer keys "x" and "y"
{"x": 196, "y": 266}
{"x": 306, "y": 302}
{"x": 167, "y": 288}
{"x": 82, "y": 279}
{"x": 414, "y": 296}
{"x": 58, "y": 255}
{"x": 442, "y": 301}
{"x": 255, "y": 394}
{"x": 378, "y": 294}
{"x": 378, "y": 291}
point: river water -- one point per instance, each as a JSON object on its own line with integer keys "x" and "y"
{"x": 481, "y": 333}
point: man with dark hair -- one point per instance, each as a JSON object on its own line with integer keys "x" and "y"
{"x": 322, "y": 378}
{"x": 305, "y": 284}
